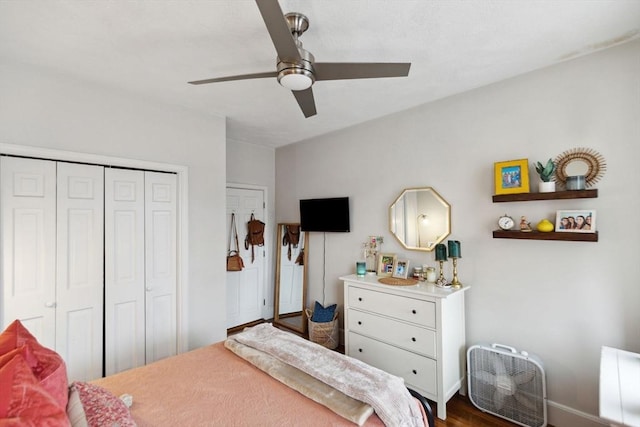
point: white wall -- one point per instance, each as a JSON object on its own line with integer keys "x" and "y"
{"x": 253, "y": 165}
{"x": 559, "y": 300}
{"x": 42, "y": 109}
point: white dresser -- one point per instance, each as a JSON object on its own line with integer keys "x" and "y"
{"x": 620, "y": 387}
{"x": 415, "y": 332}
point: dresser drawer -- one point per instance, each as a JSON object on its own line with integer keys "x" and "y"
{"x": 403, "y": 308}
{"x": 417, "y": 371}
{"x": 405, "y": 335}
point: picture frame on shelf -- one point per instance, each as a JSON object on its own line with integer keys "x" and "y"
{"x": 385, "y": 264}
{"x": 400, "y": 269}
{"x": 512, "y": 176}
{"x": 576, "y": 221}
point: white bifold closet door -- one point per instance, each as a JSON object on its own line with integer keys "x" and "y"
{"x": 140, "y": 273}
{"x": 28, "y": 216}
{"x": 52, "y": 257}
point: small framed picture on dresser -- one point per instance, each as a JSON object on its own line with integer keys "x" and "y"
{"x": 400, "y": 269}
{"x": 385, "y": 264}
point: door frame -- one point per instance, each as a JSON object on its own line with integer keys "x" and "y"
{"x": 182, "y": 262}
{"x": 268, "y": 278}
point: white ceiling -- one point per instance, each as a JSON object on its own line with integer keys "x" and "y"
{"x": 154, "y": 47}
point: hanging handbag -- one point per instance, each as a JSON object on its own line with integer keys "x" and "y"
{"x": 234, "y": 260}
{"x": 255, "y": 235}
{"x": 291, "y": 237}
{"x": 300, "y": 258}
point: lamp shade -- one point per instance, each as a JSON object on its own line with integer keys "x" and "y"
{"x": 441, "y": 252}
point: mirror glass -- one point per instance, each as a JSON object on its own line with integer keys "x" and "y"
{"x": 420, "y": 218}
{"x": 576, "y": 167}
{"x": 291, "y": 277}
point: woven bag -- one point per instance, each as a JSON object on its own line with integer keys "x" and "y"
{"x": 327, "y": 334}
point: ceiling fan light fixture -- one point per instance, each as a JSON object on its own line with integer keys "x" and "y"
{"x": 296, "y": 68}
{"x": 296, "y": 78}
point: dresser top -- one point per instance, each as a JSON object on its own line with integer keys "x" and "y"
{"x": 422, "y": 288}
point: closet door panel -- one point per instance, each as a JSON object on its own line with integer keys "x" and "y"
{"x": 124, "y": 270}
{"x": 160, "y": 264}
{"x": 81, "y": 345}
{"x": 80, "y": 277}
{"x": 28, "y": 215}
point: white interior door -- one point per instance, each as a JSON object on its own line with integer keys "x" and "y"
{"x": 245, "y": 294}
{"x": 80, "y": 274}
{"x": 28, "y": 218}
{"x": 124, "y": 270}
{"x": 160, "y": 265}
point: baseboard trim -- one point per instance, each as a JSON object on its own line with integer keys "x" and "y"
{"x": 564, "y": 416}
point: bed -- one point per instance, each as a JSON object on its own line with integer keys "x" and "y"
{"x": 232, "y": 383}
{"x": 228, "y": 383}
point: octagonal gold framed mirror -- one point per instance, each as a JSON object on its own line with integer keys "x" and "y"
{"x": 420, "y": 218}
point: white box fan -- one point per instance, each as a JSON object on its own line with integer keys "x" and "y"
{"x": 507, "y": 384}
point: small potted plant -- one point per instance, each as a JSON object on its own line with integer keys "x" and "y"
{"x": 546, "y": 174}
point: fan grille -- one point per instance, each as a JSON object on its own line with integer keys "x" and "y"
{"x": 507, "y": 385}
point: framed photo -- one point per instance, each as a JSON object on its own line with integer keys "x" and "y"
{"x": 385, "y": 264}
{"x": 512, "y": 176}
{"x": 576, "y": 221}
{"x": 400, "y": 269}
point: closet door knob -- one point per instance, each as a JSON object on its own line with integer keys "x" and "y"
{"x": 148, "y": 288}
{"x": 50, "y": 304}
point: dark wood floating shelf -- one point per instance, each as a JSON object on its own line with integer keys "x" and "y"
{"x": 537, "y": 235}
{"x": 556, "y": 195}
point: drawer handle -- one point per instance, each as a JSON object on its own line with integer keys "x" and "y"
{"x": 415, "y": 372}
{"x": 413, "y": 339}
{"x": 359, "y": 322}
{"x": 360, "y": 350}
{"x": 414, "y": 312}
{"x": 359, "y": 298}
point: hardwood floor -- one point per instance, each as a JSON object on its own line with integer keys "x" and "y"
{"x": 461, "y": 412}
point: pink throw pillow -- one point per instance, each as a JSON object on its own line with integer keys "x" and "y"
{"x": 24, "y": 401}
{"x": 47, "y": 365}
{"x": 101, "y": 407}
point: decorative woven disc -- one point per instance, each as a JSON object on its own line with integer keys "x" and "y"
{"x": 594, "y": 160}
{"x": 397, "y": 282}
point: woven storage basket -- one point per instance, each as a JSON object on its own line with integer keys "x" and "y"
{"x": 326, "y": 334}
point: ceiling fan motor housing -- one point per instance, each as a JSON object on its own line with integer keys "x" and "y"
{"x": 297, "y": 74}
{"x": 301, "y": 72}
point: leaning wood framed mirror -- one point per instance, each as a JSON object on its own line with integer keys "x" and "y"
{"x": 291, "y": 277}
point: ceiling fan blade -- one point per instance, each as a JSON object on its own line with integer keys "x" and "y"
{"x": 306, "y": 102}
{"x": 239, "y": 77}
{"x": 278, "y": 30}
{"x": 360, "y": 70}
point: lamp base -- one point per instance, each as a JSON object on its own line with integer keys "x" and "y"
{"x": 455, "y": 283}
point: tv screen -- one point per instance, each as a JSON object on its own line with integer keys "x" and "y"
{"x": 325, "y": 214}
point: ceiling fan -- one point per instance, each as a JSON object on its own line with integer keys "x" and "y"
{"x": 296, "y": 67}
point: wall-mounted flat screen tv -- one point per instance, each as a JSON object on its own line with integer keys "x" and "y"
{"x": 328, "y": 215}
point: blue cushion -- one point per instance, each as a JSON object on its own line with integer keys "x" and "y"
{"x": 323, "y": 314}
